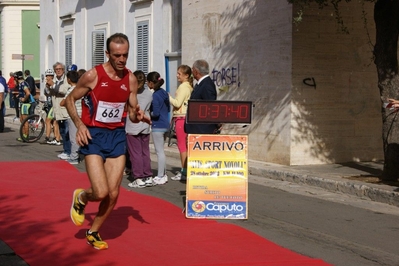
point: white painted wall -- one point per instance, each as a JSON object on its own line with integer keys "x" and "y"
{"x": 114, "y": 15}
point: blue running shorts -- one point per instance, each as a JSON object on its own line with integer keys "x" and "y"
{"x": 108, "y": 143}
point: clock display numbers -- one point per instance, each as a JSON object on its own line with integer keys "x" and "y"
{"x": 211, "y": 112}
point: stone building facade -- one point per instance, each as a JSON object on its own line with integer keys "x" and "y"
{"x": 314, "y": 88}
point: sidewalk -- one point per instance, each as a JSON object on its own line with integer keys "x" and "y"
{"x": 331, "y": 177}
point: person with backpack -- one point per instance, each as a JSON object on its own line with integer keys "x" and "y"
{"x": 31, "y": 83}
{"x": 32, "y": 88}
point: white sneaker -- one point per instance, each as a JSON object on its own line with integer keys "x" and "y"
{"x": 64, "y": 156}
{"x": 137, "y": 183}
{"x": 149, "y": 182}
{"x": 160, "y": 180}
{"x": 179, "y": 176}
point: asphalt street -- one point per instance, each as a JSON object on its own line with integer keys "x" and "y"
{"x": 340, "y": 228}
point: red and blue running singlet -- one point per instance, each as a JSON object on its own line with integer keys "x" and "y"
{"x": 104, "y": 105}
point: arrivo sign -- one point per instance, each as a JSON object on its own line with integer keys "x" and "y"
{"x": 210, "y": 112}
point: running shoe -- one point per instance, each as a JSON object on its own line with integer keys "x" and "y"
{"x": 137, "y": 183}
{"x": 179, "y": 176}
{"x": 94, "y": 239}
{"x": 77, "y": 209}
{"x": 73, "y": 161}
{"x": 160, "y": 180}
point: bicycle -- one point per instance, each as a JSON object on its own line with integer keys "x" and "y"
{"x": 36, "y": 123}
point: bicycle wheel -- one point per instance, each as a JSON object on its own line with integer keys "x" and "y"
{"x": 35, "y": 126}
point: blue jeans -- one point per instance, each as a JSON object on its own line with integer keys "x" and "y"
{"x": 64, "y": 132}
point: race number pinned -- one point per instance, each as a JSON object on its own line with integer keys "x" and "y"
{"x": 108, "y": 112}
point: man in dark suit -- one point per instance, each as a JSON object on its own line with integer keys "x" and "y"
{"x": 205, "y": 89}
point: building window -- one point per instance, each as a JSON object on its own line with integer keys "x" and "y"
{"x": 142, "y": 46}
{"x": 98, "y": 47}
{"x": 68, "y": 50}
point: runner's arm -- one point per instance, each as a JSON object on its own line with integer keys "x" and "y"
{"x": 84, "y": 85}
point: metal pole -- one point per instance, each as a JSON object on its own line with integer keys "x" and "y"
{"x": 23, "y": 59}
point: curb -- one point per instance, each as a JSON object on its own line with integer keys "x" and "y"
{"x": 353, "y": 188}
{"x": 332, "y": 184}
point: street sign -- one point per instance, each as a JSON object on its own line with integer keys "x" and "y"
{"x": 22, "y": 56}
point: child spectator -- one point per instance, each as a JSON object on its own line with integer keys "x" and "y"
{"x": 72, "y": 79}
{"x": 160, "y": 108}
{"x": 138, "y": 139}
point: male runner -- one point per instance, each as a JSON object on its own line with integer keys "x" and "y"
{"x": 106, "y": 89}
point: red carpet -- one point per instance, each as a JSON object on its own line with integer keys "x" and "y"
{"x": 34, "y": 221}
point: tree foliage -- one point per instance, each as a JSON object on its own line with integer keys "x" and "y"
{"x": 303, "y": 4}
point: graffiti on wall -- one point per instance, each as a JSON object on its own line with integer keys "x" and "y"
{"x": 310, "y": 82}
{"x": 226, "y": 76}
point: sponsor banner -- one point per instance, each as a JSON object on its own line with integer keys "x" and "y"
{"x": 216, "y": 209}
{"x": 217, "y": 176}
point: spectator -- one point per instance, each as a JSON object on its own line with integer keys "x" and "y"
{"x": 31, "y": 83}
{"x": 159, "y": 110}
{"x": 50, "y": 121}
{"x": 11, "y": 88}
{"x": 205, "y": 89}
{"x": 72, "y": 67}
{"x": 81, "y": 72}
{"x": 138, "y": 139}
{"x": 72, "y": 78}
{"x": 2, "y": 107}
{"x": 180, "y": 104}
{"x": 58, "y": 88}
{"x": 15, "y": 94}
{"x": 4, "y": 83}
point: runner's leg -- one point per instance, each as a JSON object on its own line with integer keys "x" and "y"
{"x": 105, "y": 181}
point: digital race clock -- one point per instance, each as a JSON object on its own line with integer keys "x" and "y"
{"x": 212, "y": 112}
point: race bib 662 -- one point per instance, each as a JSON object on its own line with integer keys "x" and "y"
{"x": 108, "y": 112}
